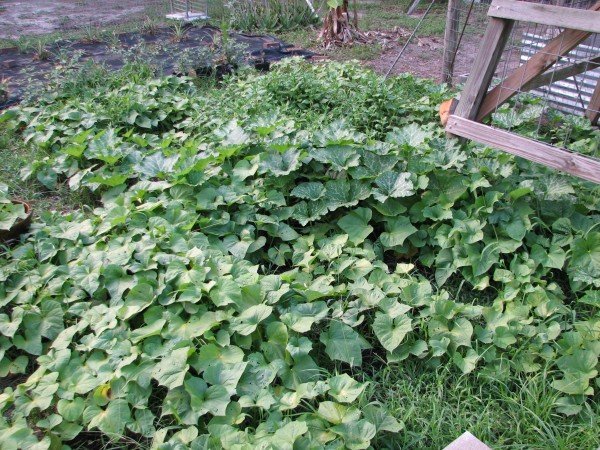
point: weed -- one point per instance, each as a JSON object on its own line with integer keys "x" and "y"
{"x": 4, "y": 90}
{"x": 195, "y": 61}
{"x": 179, "y": 31}
{"x": 15, "y": 156}
{"x": 40, "y": 51}
{"x": 91, "y": 33}
{"x": 113, "y": 40}
{"x": 269, "y": 14}
{"x": 149, "y": 26}
{"x": 438, "y": 405}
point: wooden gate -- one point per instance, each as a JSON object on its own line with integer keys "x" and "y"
{"x": 477, "y": 103}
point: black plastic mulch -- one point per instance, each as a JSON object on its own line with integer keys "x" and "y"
{"x": 24, "y": 69}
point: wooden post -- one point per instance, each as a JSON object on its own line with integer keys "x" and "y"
{"x": 450, "y": 40}
{"x": 593, "y": 109}
{"x": 556, "y": 16}
{"x": 413, "y": 7}
{"x": 547, "y": 56}
{"x": 484, "y": 66}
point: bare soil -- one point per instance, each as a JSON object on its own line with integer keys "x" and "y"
{"x": 424, "y": 58}
{"x": 34, "y": 17}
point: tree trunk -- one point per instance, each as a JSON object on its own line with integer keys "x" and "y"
{"x": 338, "y": 29}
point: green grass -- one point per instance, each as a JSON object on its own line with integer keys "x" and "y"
{"x": 437, "y": 406}
{"x": 16, "y": 155}
{"x": 387, "y": 15}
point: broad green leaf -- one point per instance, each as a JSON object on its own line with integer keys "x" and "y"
{"x": 356, "y": 435}
{"x": 308, "y": 212}
{"x": 391, "y": 331}
{"x": 227, "y": 375}
{"x": 280, "y": 164}
{"x": 393, "y": 185}
{"x": 171, "y": 369}
{"x": 112, "y": 420}
{"x": 157, "y": 164}
{"x": 301, "y": 317}
{"x": 344, "y": 193}
{"x": 285, "y": 436}
{"x": 382, "y": 419}
{"x": 139, "y": 298}
{"x": 309, "y": 191}
{"x": 336, "y": 413}
{"x": 585, "y": 259}
{"x": 411, "y": 135}
{"x": 232, "y": 134}
{"x": 10, "y": 213}
{"x": 344, "y": 344}
{"x": 356, "y": 225}
{"x": 466, "y": 363}
{"x": 205, "y": 399}
{"x": 397, "y": 231}
{"x": 248, "y": 320}
{"x": 503, "y": 338}
{"x": 71, "y": 410}
{"x": 225, "y": 292}
{"x": 345, "y": 389}
{"x": 339, "y": 157}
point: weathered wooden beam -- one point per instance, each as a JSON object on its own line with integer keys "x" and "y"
{"x": 562, "y": 73}
{"x": 484, "y": 66}
{"x": 536, "y": 65}
{"x": 593, "y": 109}
{"x": 558, "y": 16}
{"x": 554, "y": 157}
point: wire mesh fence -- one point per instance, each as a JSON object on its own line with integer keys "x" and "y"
{"x": 547, "y": 83}
{"x": 465, "y": 24}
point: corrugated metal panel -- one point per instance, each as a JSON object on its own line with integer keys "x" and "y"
{"x": 573, "y": 94}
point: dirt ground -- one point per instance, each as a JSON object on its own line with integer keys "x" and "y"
{"x": 424, "y": 56}
{"x": 35, "y": 17}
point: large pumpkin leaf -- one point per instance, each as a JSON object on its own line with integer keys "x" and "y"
{"x": 344, "y": 344}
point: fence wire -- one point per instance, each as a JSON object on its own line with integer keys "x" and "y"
{"x": 557, "y": 105}
{"x": 465, "y": 24}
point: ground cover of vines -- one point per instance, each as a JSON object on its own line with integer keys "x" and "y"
{"x": 255, "y": 256}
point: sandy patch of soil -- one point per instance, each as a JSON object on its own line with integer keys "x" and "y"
{"x": 34, "y": 17}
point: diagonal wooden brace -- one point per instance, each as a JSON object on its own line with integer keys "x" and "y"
{"x": 538, "y": 64}
{"x": 593, "y": 109}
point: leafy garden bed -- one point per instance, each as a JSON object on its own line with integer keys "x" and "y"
{"x": 258, "y": 252}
